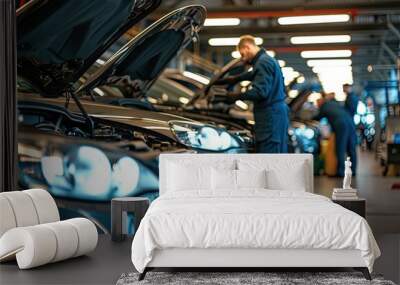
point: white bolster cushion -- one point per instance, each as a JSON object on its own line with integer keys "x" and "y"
{"x": 45, "y": 205}
{"x": 87, "y": 235}
{"x": 7, "y": 218}
{"x": 32, "y": 246}
{"x": 37, "y": 245}
{"x": 23, "y": 208}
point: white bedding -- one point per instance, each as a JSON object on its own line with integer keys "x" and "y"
{"x": 252, "y": 218}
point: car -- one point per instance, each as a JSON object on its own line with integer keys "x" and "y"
{"x": 211, "y": 105}
{"x": 81, "y": 149}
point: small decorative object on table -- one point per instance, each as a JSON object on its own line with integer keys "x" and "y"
{"x": 119, "y": 209}
{"x": 347, "y": 196}
{"x": 345, "y": 193}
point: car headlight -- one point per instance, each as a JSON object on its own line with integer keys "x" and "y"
{"x": 306, "y": 132}
{"x": 204, "y": 137}
{"x": 85, "y": 171}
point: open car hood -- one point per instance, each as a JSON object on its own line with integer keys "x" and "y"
{"x": 234, "y": 63}
{"x": 59, "y": 40}
{"x": 143, "y": 58}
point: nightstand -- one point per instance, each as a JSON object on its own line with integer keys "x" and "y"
{"x": 358, "y": 206}
{"x": 119, "y": 209}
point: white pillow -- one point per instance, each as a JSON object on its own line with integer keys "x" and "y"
{"x": 279, "y": 180}
{"x": 183, "y": 177}
{"x": 223, "y": 179}
{"x": 281, "y": 174}
{"x": 194, "y": 175}
{"x": 251, "y": 178}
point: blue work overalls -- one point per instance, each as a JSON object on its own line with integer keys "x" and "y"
{"x": 345, "y": 132}
{"x": 351, "y": 103}
{"x": 270, "y": 110}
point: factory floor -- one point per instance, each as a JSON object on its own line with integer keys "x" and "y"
{"x": 110, "y": 260}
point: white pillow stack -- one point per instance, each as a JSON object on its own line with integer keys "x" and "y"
{"x": 228, "y": 175}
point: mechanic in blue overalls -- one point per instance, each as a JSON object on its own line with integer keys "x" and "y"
{"x": 351, "y": 102}
{"x": 267, "y": 92}
{"x": 343, "y": 126}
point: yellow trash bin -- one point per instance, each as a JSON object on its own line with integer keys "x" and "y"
{"x": 330, "y": 157}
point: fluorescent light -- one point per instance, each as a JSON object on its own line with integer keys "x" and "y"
{"x": 314, "y": 97}
{"x": 315, "y": 19}
{"x": 197, "y": 77}
{"x": 320, "y": 39}
{"x": 287, "y": 69}
{"x": 329, "y": 62}
{"x": 322, "y": 69}
{"x": 271, "y": 53}
{"x": 222, "y": 22}
{"x": 293, "y": 93}
{"x": 281, "y": 62}
{"x": 99, "y": 91}
{"x": 184, "y": 100}
{"x": 289, "y": 74}
{"x": 245, "y": 83}
{"x": 229, "y": 41}
{"x": 340, "y": 96}
{"x": 242, "y": 104}
{"x": 100, "y": 61}
{"x": 325, "y": 53}
{"x": 301, "y": 79}
{"x": 236, "y": 54}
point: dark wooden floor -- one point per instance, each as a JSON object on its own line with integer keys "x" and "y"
{"x": 110, "y": 260}
{"x": 103, "y": 266}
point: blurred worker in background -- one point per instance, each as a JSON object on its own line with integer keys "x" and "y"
{"x": 343, "y": 126}
{"x": 267, "y": 92}
{"x": 351, "y": 102}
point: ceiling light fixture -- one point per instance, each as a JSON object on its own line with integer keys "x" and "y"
{"x": 209, "y": 22}
{"x": 230, "y": 41}
{"x": 301, "y": 79}
{"x": 281, "y": 62}
{"x": 334, "y": 69}
{"x": 315, "y": 19}
{"x": 326, "y": 53}
{"x": 320, "y": 39}
{"x": 271, "y": 53}
{"x": 329, "y": 62}
{"x": 293, "y": 93}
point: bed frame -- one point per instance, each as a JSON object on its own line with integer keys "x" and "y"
{"x": 249, "y": 259}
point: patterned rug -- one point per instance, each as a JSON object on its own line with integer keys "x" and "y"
{"x": 243, "y": 278}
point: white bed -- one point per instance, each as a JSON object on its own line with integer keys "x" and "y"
{"x": 247, "y": 227}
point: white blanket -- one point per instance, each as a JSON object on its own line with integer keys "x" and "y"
{"x": 250, "y": 219}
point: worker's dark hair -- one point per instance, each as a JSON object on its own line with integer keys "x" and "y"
{"x": 246, "y": 39}
{"x": 347, "y": 85}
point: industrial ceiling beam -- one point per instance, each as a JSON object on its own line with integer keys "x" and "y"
{"x": 285, "y": 8}
{"x": 389, "y": 51}
{"x": 393, "y": 29}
